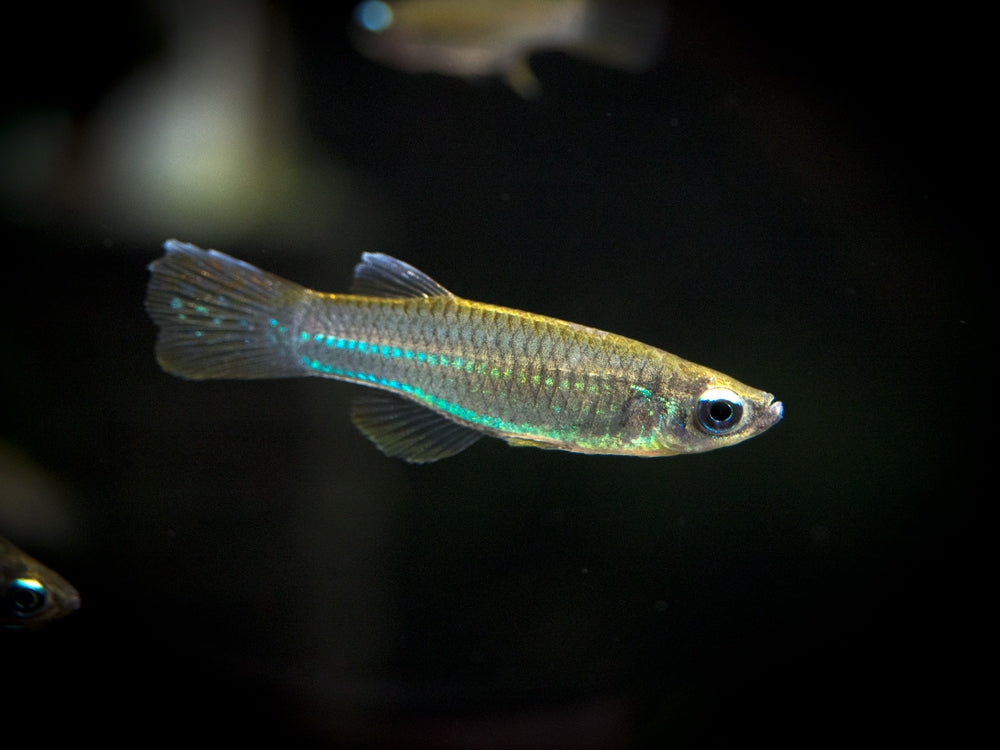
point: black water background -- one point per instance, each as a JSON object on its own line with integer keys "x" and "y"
{"x": 792, "y": 200}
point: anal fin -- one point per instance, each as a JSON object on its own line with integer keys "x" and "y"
{"x": 404, "y": 429}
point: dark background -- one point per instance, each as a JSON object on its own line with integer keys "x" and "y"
{"x": 789, "y": 196}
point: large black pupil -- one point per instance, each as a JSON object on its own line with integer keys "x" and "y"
{"x": 720, "y": 411}
{"x": 24, "y": 600}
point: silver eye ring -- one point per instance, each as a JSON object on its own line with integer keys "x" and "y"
{"x": 719, "y": 411}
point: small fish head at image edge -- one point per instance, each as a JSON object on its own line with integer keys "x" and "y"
{"x": 31, "y": 594}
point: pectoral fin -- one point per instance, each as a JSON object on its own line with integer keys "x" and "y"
{"x": 407, "y": 430}
{"x": 521, "y": 78}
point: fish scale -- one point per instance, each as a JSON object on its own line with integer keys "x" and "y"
{"x": 449, "y": 369}
{"x": 487, "y": 361}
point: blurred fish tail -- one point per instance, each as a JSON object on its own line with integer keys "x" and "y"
{"x": 217, "y": 315}
{"x": 625, "y": 34}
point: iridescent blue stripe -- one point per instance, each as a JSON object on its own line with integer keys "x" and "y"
{"x": 436, "y": 402}
{"x": 390, "y": 352}
{"x": 431, "y": 400}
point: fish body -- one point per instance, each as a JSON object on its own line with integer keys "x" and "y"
{"x": 31, "y": 594}
{"x": 482, "y": 38}
{"x": 445, "y": 370}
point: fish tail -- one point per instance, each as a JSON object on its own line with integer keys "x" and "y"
{"x": 218, "y": 317}
{"x": 625, "y": 34}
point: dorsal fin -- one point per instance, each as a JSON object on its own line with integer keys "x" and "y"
{"x": 380, "y": 275}
{"x": 407, "y": 430}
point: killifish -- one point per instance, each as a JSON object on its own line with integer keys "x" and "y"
{"x": 30, "y": 593}
{"x": 480, "y": 38}
{"x": 445, "y": 370}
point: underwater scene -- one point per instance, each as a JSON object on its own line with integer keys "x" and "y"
{"x": 491, "y": 374}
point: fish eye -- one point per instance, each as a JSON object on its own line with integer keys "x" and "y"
{"x": 373, "y": 15}
{"x": 26, "y": 597}
{"x": 719, "y": 411}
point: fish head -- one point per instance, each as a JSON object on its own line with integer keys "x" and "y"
{"x": 465, "y": 39}
{"x": 410, "y": 37}
{"x": 31, "y": 594}
{"x": 704, "y": 410}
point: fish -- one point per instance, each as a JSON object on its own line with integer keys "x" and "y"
{"x": 444, "y": 370}
{"x": 486, "y": 38}
{"x": 31, "y": 595}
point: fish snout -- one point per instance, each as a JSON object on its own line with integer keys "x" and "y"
{"x": 775, "y": 410}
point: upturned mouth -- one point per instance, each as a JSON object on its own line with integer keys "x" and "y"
{"x": 775, "y": 409}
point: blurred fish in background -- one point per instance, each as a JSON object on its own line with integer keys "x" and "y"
{"x": 203, "y": 131}
{"x": 35, "y": 504}
{"x": 31, "y": 594}
{"x": 482, "y": 38}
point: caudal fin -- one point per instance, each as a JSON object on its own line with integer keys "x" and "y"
{"x": 218, "y": 316}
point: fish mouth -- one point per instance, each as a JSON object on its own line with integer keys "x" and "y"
{"x": 775, "y": 410}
